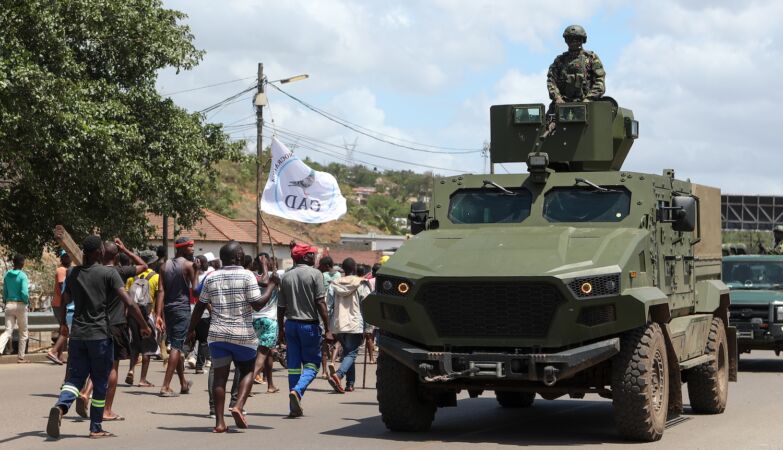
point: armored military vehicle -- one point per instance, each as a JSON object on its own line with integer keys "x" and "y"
{"x": 756, "y": 284}
{"x": 576, "y": 277}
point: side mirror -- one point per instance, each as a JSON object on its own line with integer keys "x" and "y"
{"x": 418, "y": 217}
{"x": 684, "y": 213}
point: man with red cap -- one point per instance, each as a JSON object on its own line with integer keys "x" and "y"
{"x": 301, "y": 306}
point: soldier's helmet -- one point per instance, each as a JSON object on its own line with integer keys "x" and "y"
{"x": 575, "y": 30}
{"x": 778, "y": 229}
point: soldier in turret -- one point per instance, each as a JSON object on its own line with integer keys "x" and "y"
{"x": 578, "y": 74}
{"x": 777, "y": 232}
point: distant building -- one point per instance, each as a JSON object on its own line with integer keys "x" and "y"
{"x": 372, "y": 241}
{"x": 215, "y": 230}
{"x": 360, "y": 194}
{"x": 751, "y": 212}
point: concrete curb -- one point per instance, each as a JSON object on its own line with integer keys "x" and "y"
{"x": 32, "y": 357}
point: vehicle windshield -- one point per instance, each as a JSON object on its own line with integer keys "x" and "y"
{"x": 583, "y": 204}
{"x": 753, "y": 274}
{"x": 489, "y": 205}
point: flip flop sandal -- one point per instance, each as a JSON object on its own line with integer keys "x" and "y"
{"x": 215, "y": 430}
{"x": 295, "y": 404}
{"x": 186, "y": 389}
{"x": 102, "y": 434}
{"x": 117, "y": 418}
{"x": 239, "y": 418}
{"x": 81, "y": 407}
{"x": 53, "y": 424}
{"x": 54, "y": 359}
{"x": 129, "y": 379}
{"x": 273, "y": 391}
{"x": 168, "y": 394}
{"x": 146, "y": 384}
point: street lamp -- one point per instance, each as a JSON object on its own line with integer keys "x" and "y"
{"x": 260, "y": 101}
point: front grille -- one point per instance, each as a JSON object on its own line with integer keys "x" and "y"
{"x": 743, "y": 313}
{"x": 597, "y": 315}
{"x": 491, "y": 309}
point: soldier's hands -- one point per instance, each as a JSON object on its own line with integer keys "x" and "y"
{"x": 559, "y": 100}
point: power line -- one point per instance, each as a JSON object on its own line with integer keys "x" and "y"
{"x": 228, "y": 99}
{"x": 315, "y": 143}
{"x": 360, "y": 130}
{"x": 205, "y": 87}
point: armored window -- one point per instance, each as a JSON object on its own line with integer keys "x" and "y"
{"x": 529, "y": 114}
{"x": 487, "y": 205}
{"x": 753, "y": 274}
{"x": 577, "y": 204}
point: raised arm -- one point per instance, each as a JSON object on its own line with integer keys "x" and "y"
{"x": 141, "y": 266}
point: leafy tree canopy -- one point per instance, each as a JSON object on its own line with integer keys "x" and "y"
{"x": 85, "y": 139}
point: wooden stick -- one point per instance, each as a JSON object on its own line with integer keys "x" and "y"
{"x": 67, "y": 243}
{"x": 364, "y": 369}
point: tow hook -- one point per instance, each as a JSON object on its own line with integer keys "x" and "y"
{"x": 550, "y": 375}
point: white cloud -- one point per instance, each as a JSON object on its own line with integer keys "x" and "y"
{"x": 701, "y": 76}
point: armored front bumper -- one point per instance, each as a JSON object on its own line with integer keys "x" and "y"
{"x": 545, "y": 367}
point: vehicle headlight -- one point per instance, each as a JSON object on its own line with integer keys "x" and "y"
{"x": 779, "y": 313}
{"x": 597, "y": 286}
{"x": 398, "y": 287}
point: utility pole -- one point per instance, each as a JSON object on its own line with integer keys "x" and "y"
{"x": 259, "y": 155}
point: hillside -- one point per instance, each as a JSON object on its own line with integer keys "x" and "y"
{"x": 234, "y": 196}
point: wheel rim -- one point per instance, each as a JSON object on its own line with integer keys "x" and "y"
{"x": 657, "y": 383}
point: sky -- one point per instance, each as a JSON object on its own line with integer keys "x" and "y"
{"x": 700, "y": 76}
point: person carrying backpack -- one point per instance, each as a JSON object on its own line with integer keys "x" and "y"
{"x": 142, "y": 290}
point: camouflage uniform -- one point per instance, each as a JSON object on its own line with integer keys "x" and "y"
{"x": 778, "y": 246}
{"x": 576, "y": 76}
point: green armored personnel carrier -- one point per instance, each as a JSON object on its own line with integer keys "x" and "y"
{"x": 756, "y": 284}
{"x": 576, "y": 277}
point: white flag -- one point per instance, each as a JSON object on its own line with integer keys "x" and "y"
{"x": 295, "y": 191}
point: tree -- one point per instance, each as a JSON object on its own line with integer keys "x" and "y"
{"x": 85, "y": 139}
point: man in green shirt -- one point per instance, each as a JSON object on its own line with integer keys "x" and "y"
{"x": 16, "y": 298}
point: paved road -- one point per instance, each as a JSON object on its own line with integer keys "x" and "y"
{"x": 352, "y": 420}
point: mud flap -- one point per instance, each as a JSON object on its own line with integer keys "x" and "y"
{"x": 731, "y": 336}
{"x": 675, "y": 378}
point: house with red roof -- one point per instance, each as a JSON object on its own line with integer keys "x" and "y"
{"x": 215, "y": 230}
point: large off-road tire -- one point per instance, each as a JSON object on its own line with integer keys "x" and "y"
{"x": 640, "y": 384}
{"x": 402, "y": 405}
{"x": 708, "y": 384}
{"x": 510, "y": 399}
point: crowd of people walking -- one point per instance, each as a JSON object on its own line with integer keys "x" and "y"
{"x": 198, "y": 312}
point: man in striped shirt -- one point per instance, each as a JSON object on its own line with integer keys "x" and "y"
{"x": 233, "y": 293}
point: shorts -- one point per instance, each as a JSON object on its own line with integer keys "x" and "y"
{"x": 223, "y": 353}
{"x": 146, "y": 346}
{"x": 177, "y": 321}
{"x": 120, "y": 337}
{"x": 266, "y": 330}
